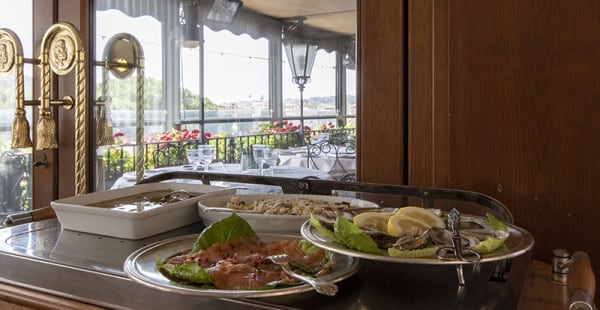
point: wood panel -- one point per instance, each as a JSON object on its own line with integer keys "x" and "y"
{"x": 76, "y": 13}
{"x": 380, "y": 92}
{"x": 44, "y": 185}
{"x": 514, "y": 111}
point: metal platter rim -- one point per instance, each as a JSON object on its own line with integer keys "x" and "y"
{"x": 524, "y": 238}
{"x": 349, "y": 266}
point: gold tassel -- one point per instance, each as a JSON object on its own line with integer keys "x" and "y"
{"x": 20, "y": 130}
{"x": 46, "y": 131}
{"x": 103, "y": 128}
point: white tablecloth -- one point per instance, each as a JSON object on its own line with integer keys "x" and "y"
{"x": 128, "y": 178}
{"x": 325, "y": 162}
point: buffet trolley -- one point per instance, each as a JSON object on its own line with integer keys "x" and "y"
{"x": 90, "y": 268}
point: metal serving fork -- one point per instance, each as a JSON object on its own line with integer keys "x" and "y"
{"x": 322, "y": 287}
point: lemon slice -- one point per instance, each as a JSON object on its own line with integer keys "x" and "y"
{"x": 424, "y": 215}
{"x": 375, "y": 220}
{"x": 399, "y": 224}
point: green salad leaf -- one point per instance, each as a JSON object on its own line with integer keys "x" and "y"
{"x": 491, "y": 244}
{"x": 223, "y": 231}
{"x": 417, "y": 253}
{"x": 187, "y": 273}
{"x": 350, "y": 235}
{"x": 322, "y": 230}
{"x": 230, "y": 228}
{"x": 496, "y": 223}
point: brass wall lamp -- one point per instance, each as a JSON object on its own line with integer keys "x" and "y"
{"x": 122, "y": 55}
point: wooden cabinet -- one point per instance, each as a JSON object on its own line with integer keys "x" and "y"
{"x": 502, "y": 98}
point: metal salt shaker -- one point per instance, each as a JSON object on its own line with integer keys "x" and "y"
{"x": 561, "y": 260}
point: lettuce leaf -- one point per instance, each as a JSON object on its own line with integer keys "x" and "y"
{"x": 418, "y": 253}
{"x": 186, "y": 273}
{"x": 491, "y": 244}
{"x": 351, "y": 236}
{"x": 230, "y": 228}
{"x": 322, "y": 230}
{"x": 496, "y": 223}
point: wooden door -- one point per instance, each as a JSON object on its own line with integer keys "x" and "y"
{"x": 504, "y": 100}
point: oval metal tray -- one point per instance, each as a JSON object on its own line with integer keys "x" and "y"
{"x": 519, "y": 242}
{"x": 140, "y": 266}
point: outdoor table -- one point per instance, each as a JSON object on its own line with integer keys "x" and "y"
{"x": 326, "y": 162}
{"x": 128, "y": 178}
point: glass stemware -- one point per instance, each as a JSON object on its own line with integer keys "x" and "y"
{"x": 193, "y": 157}
{"x": 207, "y": 152}
{"x": 272, "y": 159}
{"x": 260, "y": 152}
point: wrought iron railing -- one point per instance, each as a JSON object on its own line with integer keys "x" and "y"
{"x": 118, "y": 159}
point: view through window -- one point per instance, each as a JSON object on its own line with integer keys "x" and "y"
{"x": 234, "y": 81}
{"x": 15, "y": 163}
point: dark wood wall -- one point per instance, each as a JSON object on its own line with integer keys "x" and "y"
{"x": 503, "y": 99}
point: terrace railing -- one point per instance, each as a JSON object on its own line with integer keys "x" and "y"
{"x": 118, "y": 159}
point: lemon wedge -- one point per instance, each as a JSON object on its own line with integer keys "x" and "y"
{"x": 375, "y": 220}
{"x": 399, "y": 224}
{"x": 427, "y": 216}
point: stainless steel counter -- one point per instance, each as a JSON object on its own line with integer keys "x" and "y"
{"x": 89, "y": 268}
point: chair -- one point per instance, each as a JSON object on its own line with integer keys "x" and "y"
{"x": 168, "y": 155}
{"x": 337, "y": 148}
{"x": 12, "y": 170}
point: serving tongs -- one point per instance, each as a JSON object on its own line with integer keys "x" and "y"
{"x": 321, "y": 287}
{"x": 458, "y": 253}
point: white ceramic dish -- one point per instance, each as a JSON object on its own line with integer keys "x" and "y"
{"x": 268, "y": 222}
{"x": 82, "y": 213}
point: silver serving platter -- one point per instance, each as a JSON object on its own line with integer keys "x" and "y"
{"x": 519, "y": 242}
{"x": 140, "y": 266}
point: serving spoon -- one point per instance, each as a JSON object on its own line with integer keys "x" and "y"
{"x": 322, "y": 287}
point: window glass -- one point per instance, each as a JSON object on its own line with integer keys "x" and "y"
{"x": 15, "y": 164}
{"x": 236, "y": 81}
{"x": 123, "y": 92}
{"x": 209, "y": 83}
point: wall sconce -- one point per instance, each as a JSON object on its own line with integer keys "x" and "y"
{"x": 301, "y": 57}
{"x": 123, "y": 53}
{"x": 224, "y": 10}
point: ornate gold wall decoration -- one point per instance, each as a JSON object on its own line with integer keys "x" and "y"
{"x": 11, "y": 56}
{"x": 62, "y": 51}
{"x": 62, "y": 54}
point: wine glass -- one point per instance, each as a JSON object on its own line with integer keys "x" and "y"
{"x": 260, "y": 153}
{"x": 271, "y": 160}
{"x": 206, "y": 154}
{"x": 193, "y": 157}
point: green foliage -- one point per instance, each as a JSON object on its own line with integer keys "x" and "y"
{"x": 118, "y": 158}
{"x": 124, "y": 95}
